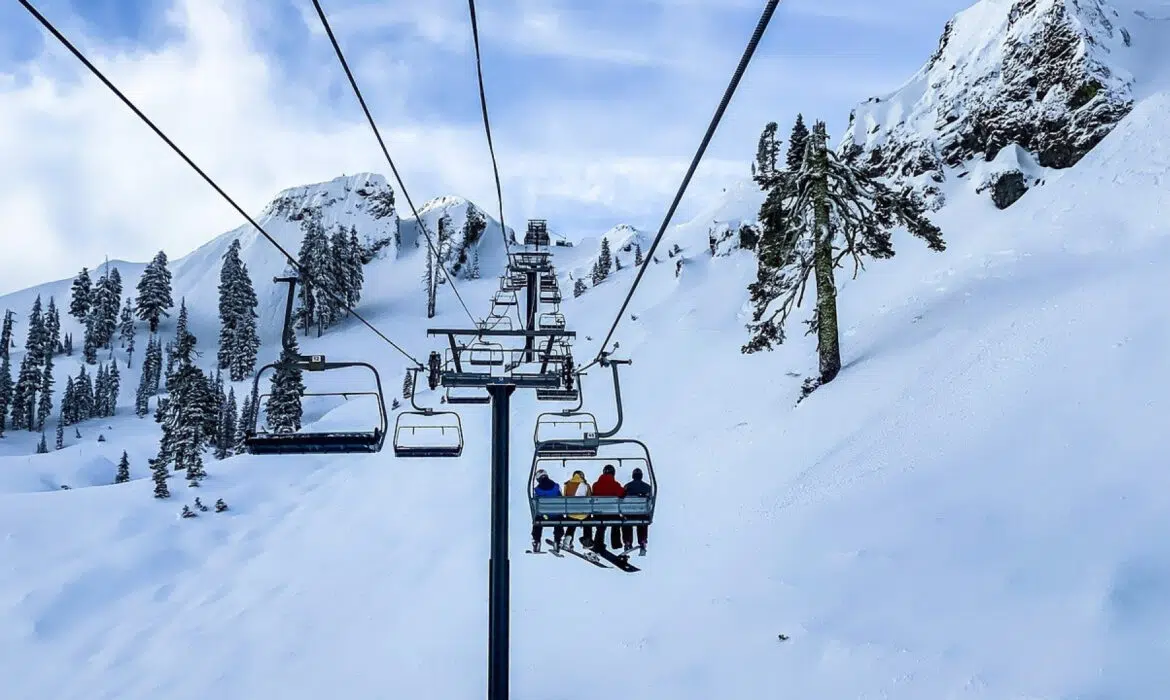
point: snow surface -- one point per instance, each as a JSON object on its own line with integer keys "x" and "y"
{"x": 977, "y": 508}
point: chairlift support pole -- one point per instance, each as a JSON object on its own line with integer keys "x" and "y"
{"x": 499, "y": 567}
{"x": 533, "y": 298}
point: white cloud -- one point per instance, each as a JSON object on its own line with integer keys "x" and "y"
{"x": 83, "y": 178}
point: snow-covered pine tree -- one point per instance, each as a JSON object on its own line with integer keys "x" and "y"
{"x": 42, "y": 446}
{"x": 52, "y": 329}
{"x": 141, "y": 395}
{"x": 82, "y": 296}
{"x": 106, "y": 303}
{"x": 356, "y": 269}
{"x": 28, "y": 380}
{"x": 283, "y": 409}
{"x": 638, "y": 258}
{"x": 68, "y": 403}
{"x": 154, "y": 292}
{"x": 6, "y": 384}
{"x": 407, "y": 381}
{"x": 767, "y": 157}
{"x": 123, "y": 474}
{"x": 181, "y": 335}
{"x": 126, "y": 323}
{"x": 812, "y": 219}
{"x": 797, "y": 141}
{"x": 90, "y": 347}
{"x": 68, "y": 343}
{"x": 60, "y": 444}
{"x": 473, "y": 273}
{"x": 579, "y": 288}
{"x": 429, "y": 283}
{"x": 617, "y": 263}
{"x": 247, "y": 422}
{"x": 314, "y": 253}
{"x": 113, "y": 388}
{"x": 45, "y": 402}
{"x": 101, "y": 392}
{"x": 83, "y": 392}
{"x": 225, "y": 439}
{"x": 184, "y": 415}
{"x": 159, "y": 474}
{"x": 154, "y": 361}
{"x": 238, "y": 339}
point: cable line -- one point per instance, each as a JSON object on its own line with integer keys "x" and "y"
{"x": 377, "y": 134}
{"x": 487, "y": 125}
{"x": 731, "y": 87}
{"x": 292, "y": 261}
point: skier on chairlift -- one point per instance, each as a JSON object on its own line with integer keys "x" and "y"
{"x": 607, "y": 485}
{"x": 578, "y": 487}
{"x": 546, "y": 488}
{"x": 636, "y": 488}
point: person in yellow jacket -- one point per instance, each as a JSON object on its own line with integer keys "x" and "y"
{"x": 579, "y": 487}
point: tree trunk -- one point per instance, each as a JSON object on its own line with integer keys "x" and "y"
{"x": 828, "y": 341}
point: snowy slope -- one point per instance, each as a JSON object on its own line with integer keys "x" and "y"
{"x": 1051, "y": 77}
{"x": 977, "y": 508}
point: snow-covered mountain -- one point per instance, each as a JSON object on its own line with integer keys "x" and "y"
{"x": 1045, "y": 80}
{"x": 976, "y": 508}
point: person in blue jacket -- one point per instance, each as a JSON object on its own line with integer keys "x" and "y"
{"x": 546, "y": 488}
{"x": 636, "y": 488}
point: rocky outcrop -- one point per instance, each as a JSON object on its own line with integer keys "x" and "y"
{"x": 1046, "y": 75}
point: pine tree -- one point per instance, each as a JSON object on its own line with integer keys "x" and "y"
{"x": 579, "y": 288}
{"x": 154, "y": 292}
{"x": 407, "y": 384}
{"x": 812, "y": 219}
{"x": 312, "y": 259}
{"x": 68, "y": 344}
{"x": 225, "y": 440}
{"x": 106, "y": 303}
{"x": 283, "y": 408}
{"x": 123, "y": 474}
{"x": 797, "y": 141}
{"x": 45, "y": 403}
{"x": 247, "y": 420}
{"x": 159, "y": 474}
{"x": 152, "y": 364}
{"x": 767, "y": 157}
{"x": 126, "y": 323}
{"x": 52, "y": 330}
{"x": 89, "y": 351}
{"x": 604, "y": 264}
{"x": 183, "y": 414}
{"x": 69, "y": 403}
{"x": 28, "y": 380}
{"x": 42, "y": 446}
{"x": 60, "y": 435}
{"x": 638, "y": 259}
{"x": 113, "y": 389}
{"x": 356, "y": 269}
{"x": 82, "y": 298}
{"x": 83, "y": 392}
{"x": 6, "y": 384}
{"x": 238, "y": 340}
{"x": 474, "y": 273}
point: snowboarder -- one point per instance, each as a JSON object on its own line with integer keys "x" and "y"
{"x": 546, "y": 488}
{"x": 607, "y": 485}
{"x": 578, "y": 487}
{"x": 636, "y": 488}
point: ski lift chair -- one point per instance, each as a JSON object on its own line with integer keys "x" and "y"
{"x": 495, "y": 323}
{"x": 565, "y": 434}
{"x": 320, "y": 442}
{"x": 481, "y": 353}
{"x": 425, "y": 432}
{"x": 504, "y": 299}
{"x": 597, "y": 510}
{"x": 550, "y": 296}
{"x": 551, "y": 322}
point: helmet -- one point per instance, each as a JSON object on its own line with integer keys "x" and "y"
{"x": 608, "y": 469}
{"x": 541, "y": 474}
{"x": 637, "y": 472}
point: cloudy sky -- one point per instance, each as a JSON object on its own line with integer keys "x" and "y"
{"x": 597, "y": 107}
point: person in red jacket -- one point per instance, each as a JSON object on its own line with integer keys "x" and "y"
{"x": 607, "y": 485}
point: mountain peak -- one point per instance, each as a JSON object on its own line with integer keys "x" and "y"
{"x": 1046, "y": 75}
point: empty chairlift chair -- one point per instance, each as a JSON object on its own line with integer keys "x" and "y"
{"x": 425, "y": 432}
{"x": 565, "y": 434}
{"x": 551, "y": 322}
{"x": 315, "y": 442}
{"x": 503, "y": 298}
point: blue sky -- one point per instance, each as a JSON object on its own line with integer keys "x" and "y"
{"x": 597, "y": 107}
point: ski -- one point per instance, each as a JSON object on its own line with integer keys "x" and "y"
{"x": 619, "y": 560}
{"x": 586, "y": 557}
{"x": 554, "y": 552}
